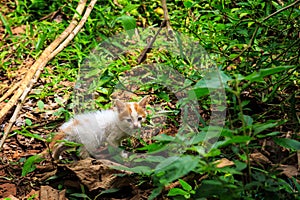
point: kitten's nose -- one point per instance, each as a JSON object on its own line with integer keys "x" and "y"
{"x": 136, "y": 125}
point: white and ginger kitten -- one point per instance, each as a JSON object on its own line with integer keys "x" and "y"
{"x": 93, "y": 129}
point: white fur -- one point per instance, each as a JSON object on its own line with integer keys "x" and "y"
{"x": 95, "y": 128}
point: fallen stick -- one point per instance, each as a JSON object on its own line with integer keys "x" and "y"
{"x": 10, "y": 91}
{"x": 71, "y": 35}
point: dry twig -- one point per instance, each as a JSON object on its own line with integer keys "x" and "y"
{"x": 9, "y": 91}
{"x": 257, "y": 27}
{"x": 166, "y": 16}
{"x": 142, "y": 56}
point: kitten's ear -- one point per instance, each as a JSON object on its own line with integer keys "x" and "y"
{"x": 143, "y": 102}
{"x": 120, "y": 105}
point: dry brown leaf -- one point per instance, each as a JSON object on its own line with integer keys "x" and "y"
{"x": 48, "y": 192}
{"x": 67, "y": 83}
{"x": 34, "y": 195}
{"x": 19, "y": 30}
{"x": 259, "y": 158}
{"x": 16, "y": 154}
{"x": 7, "y": 189}
{"x": 224, "y": 162}
{"x": 2, "y": 172}
{"x": 97, "y": 174}
{"x": 289, "y": 170}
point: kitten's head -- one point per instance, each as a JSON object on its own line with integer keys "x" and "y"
{"x": 131, "y": 114}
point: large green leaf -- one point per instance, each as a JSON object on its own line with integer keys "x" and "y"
{"x": 138, "y": 169}
{"x": 287, "y": 143}
{"x": 258, "y": 128}
{"x": 128, "y": 23}
{"x": 210, "y": 82}
{"x": 258, "y": 76}
{"x": 235, "y": 140}
{"x": 174, "y": 168}
{"x": 29, "y": 165}
{"x": 213, "y": 80}
{"x": 177, "y": 191}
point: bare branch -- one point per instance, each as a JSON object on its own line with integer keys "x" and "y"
{"x": 166, "y": 16}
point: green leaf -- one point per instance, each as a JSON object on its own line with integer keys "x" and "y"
{"x": 130, "y": 7}
{"x": 6, "y": 24}
{"x": 188, "y": 4}
{"x": 163, "y": 95}
{"x": 236, "y": 140}
{"x": 212, "y": 153}
{"x": 210, "y": 82}
{"x": 287, "y": 143}
{"x": 240, "y": 165}
{"x": 40, "y": 42}
{"x": 185, "y": 185}
{"x": 155, "y": 193}
{"x": 250, "y": 24}
{"x": 80, "y": 195}
{"x": 28, "y": 122}
{"x": 248, "y": 119}
{"x": 29, "y": 165}
{"x": 196, "y": 139}
{"x": 138, "y": 169}
{"x": 297, "y": 185}
{"x": 258, "y": 76}
{"x": 213, "y": 80}
{"x": 154, "y": 147}
{"x": 164, "y": 138}
{"x": 268, "y": 135}
{"x": 210, "y": 187}
{"x": 129, "y": 24}
{"x": 200, "y": 92}
{"x": 149, "y": 158}
{"x": 32, "y": 135}
{"x": 177, "y": 191}
{"x": 258, "y": 128}
{"x": 243, "y": 14}
{"x": 108, "y": 191}
{"x": 174, "y": 167}
{"x": 40, "y": 105}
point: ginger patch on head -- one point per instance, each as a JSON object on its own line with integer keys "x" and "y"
{"x": 125, "y": 112}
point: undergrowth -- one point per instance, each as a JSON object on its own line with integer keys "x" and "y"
{"x": 254, "y": 46}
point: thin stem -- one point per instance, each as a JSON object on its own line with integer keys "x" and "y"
{"x": 280, "y": 10}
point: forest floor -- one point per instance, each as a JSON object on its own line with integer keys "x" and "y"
{"x": 42, "y": 179}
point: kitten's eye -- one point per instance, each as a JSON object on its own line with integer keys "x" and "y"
{"x": 128, "y": 120}
{"x": 140, "y": 118}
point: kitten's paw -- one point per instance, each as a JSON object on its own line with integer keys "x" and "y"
{"x": 124, "y": 154}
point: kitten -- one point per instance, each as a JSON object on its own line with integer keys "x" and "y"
{"x": 93, "y": 129}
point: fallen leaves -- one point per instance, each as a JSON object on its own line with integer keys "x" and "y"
{"x": 98, "y": 174}
{"x": 289, "y": 170}
{"x": 48, "y": 192}
{"x": 7, "y": 189}
{"x": 224, "y": 162}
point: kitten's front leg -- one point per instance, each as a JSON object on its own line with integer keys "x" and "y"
{"x": 115, "y": 141}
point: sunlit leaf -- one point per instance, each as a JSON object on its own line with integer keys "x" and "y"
{"x": 30, "y": 164}
{"x": 177, "y": 191}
